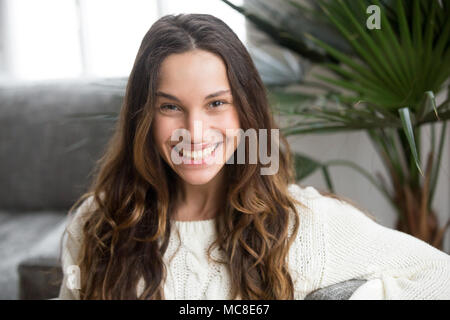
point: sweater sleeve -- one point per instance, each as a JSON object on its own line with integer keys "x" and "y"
{"x": 396, "y": 265}
{"x": 70, "y": 252}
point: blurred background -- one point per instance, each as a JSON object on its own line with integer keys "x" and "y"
{"x": 348, "y": 98}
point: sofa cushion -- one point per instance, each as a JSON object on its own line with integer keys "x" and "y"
{"x": 340, "y": 291}
{"x": 46, "y": 151}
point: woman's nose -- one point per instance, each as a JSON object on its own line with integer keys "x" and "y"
{"x": 196, "y": 125}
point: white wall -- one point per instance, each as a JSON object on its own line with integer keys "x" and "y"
{"x": 51, "y": 39}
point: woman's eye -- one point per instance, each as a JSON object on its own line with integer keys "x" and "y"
{"x": 217, "y": 105}
{"x": 173, "y": 108}
{"x": 168, "y": 108}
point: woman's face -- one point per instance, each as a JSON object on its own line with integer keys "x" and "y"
{"x": 194, "y": 101}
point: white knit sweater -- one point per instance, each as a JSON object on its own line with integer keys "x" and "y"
{"x": 335, "y": 242}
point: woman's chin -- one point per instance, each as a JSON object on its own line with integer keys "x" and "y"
{"x": 198, "y": 176}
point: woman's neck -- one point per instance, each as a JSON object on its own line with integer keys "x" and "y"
{"x": 199, "y": 202}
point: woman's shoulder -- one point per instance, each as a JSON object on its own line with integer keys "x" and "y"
{"x": 78, "y": 217}
{"x": 337, "y": 219}
{"x": 327, "y": 204}
{"x": 323, "y": 213}
{"x": 303, "y": 191}
{"x": 311, "y": 201}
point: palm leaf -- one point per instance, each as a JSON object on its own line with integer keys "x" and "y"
{"x": 305, "y": 166}
{"x": 405, "y": 116}
{"x": 437, "y": 163}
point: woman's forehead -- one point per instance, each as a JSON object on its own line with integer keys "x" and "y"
{"x": 190, "y": 67}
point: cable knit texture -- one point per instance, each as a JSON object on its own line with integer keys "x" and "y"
{"x": 335, "y": 242}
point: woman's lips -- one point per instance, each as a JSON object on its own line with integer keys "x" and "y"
{"x": 196, "y": 147}
{"x": 199, "y": 154}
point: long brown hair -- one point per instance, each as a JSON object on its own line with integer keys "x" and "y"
{"x": 126, "y": 235}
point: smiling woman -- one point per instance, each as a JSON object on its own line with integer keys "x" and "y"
{"x": 153, "y": 228}
{"x": 192, "y": 73}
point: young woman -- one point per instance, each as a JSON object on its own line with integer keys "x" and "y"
{"x": 151, "y": 227}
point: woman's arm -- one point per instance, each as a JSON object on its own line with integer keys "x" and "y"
{"x": 70, "y": 252}
{"x": 397, "y": 265}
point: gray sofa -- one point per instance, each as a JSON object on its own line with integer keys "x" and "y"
{"x": 48, "y": 149}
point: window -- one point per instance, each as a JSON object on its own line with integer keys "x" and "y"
{"x": 44, "y": 39}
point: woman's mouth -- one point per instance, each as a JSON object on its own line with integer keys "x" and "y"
{"x": 198, "y": 155}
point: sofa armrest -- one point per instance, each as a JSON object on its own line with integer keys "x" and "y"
{"x": 39, "y": 278}
{"x": 340, "y": 291}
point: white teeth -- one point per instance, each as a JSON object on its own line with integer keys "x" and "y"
{"x": 201, "y": 154}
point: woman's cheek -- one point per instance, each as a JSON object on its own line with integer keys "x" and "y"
{"x": 229, "y": 120}
{"x": 161, "y": 133}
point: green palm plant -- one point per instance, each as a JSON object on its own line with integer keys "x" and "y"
{"x": 383, "y": 82}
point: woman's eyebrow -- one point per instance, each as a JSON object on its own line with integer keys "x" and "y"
{"x": 209, "y": 96}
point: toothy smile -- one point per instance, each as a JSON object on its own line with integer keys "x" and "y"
{"x": 198, "y": 154}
